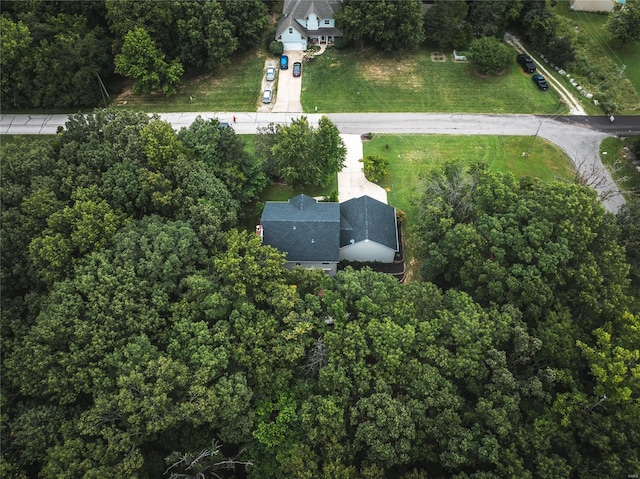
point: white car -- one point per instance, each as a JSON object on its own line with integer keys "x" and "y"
{"x": 266, "y": 96}
{"x": 271, "y": 74}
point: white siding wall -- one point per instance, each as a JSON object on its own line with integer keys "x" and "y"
{"x": 331, "y": 23}
{"x": 312, "y": 22}
{"x": 293, "y": 41}
{"x": 367, "y": 251}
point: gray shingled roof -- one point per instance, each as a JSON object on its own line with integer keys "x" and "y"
{"x": 294, "y": 9}
{"x": 303, "y": 228}
{"x": 366, "y": 218}
{"x": 304, "y": 8}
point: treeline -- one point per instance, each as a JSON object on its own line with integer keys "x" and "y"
{"x": 144, "y": 335}
{"x": 446, "y": 24}
{"x": 59, "y": 53}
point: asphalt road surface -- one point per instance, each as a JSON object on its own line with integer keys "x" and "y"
{"x": 578, "y": 136}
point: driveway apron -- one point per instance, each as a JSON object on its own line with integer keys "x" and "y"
{"x": 289, "y": 87}
{"x": 351, "y": 180}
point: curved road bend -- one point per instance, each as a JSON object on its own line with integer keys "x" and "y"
{"x": 579, "y": 137}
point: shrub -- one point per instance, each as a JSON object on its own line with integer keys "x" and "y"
{"x": 276, "y": 47}
{"x": 341, "y": 44}
{"x": 489, "y": 55}
{"x": 634, "y": 144}
{"x": 332, "y": 197}
{"x": 560, "y": 51}
{"x": 375, "y": 168}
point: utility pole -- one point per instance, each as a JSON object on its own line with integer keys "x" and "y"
{"x": 534, "y": 139}
{"x": 103, "y": 90}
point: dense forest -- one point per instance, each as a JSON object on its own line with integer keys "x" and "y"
{"x": 61, "y": 54}
{"x": 145, "y": 335}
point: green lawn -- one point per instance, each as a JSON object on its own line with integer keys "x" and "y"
{"x": 234, "y": 87}
{"x": 412, "y": 156}
{"x": 366, "y": 80}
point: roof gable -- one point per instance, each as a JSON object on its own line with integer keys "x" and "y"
{"x": 295, "y": 10}
{"x": 366, "y": 218}
{"x": 303, "y": 8}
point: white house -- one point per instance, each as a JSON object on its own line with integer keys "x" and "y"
{"x": 306, "y": 22}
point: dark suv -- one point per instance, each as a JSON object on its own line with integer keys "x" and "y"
{"x": 527, "y": 63}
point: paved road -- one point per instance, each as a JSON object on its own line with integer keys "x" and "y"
{"x": 579, "y": 137}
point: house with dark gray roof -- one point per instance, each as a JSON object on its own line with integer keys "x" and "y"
{"x": 306, "y": 230}
{"x": 368, "y": 230}
{"x": 307, "y": 22}
{"x": 318, "y": 235}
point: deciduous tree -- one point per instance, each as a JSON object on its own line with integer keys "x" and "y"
{"x": 141, "y": 60}
{"x": 301, "y": 154}
{"x": 388, "y": 25}
{"x": 623, "y": 22}
{"x": 489, "y": 55}
{"x": 445, "y": 24}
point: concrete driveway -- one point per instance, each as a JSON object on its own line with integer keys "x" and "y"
{"x": 289, "y": 87}
{"x": 267, "y": 107}
{"x": 351, "y": 180}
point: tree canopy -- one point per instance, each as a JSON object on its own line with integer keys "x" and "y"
{"x": 489, "y": 55}
{"x": 623, "y": 22}
{"x": 145, "y": 336}
{"x": 301, "y": 154}
{"x": 388, "y": 25}
{"x": 61, "y": 54}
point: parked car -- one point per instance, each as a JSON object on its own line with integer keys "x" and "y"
{"x": 541, "y": 82}
{"x": 267, "y": 95}
{"x": 527, "y": 63}
{"x": 284, "y": 62}
{"x": 297, "y": 69}
{"x": 271, "y": 73}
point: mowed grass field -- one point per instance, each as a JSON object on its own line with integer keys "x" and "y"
{"x": 411, "y": 157}
{"x": 367, "y": 81}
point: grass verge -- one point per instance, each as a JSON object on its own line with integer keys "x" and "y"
{"x": 620, "y": 167}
